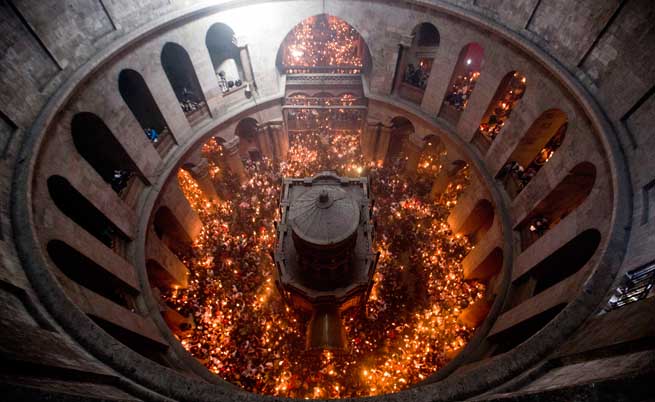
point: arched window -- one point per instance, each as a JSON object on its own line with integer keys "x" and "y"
{"x": 100, "y": 148}
{"x": 415, "y": 63}
{"x": 479, "y": 221}
{"x": 401, "y": 130}
{"x": 562, "y": 200}
{"x": 536, "y": 148}
{"x": 225, "y": 56}
{"x": 462, "y": 82}
{"x": 137, "y": 96}
{"x": 249, "y": 145}
{"x": 85, "y": 272}
{"x": 426, "y": 35}
{"x": 184, "y": 81}
{"x": 509, "y": 92}
{"x": 566, "y": 261}
{"x": 323, "y": 44}
{"x": 82, "y": 211}
{"x": 510, "y": 338}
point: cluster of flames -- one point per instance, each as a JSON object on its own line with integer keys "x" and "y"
{"x": 242, "y": 330}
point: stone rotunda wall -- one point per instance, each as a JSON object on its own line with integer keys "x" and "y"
{"x": 66, "y": 334}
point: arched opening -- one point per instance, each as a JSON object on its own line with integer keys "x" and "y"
{"x": 478, "y": 222}
{"x": 159, "y": 277}
{"x": 462, "y": 82}
{"x": 323, "y": 44}
{"x": 249, "y": 146}
{"x": 100, "y": 148}
{"x": 563, "y": 263}
{"x": 401, "y": 129}
{"x": 509, "y": 92}
{"x": 85, "y": 272}
{"x": 426, "y": 35}
{"x": 566, "y": 261}
{"x": 81, "y": 211}
{"x": 225, "y": 56}
{"x": 488, "y": 268}
{"x": 537, "y": 146}
{"x": 146, "y": 347}
{"x": 562, "y": 200}
{"x": 415, "y": 63}
{"x": 137, "y": 96}
{"x": 430, "y": 163}
{"x": 184, "y": 81}
{"x": 512, "y": 337}
{"x": 170, "y": 231}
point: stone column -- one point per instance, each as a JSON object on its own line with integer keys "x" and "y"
{"x": 200, "y": 173}
{"x": 233, "y": 160}
{"x": 368, "y": 141}
{"x": 266, "y": 145}
{"x": 283, "y": 140}
{"x": 382, "y": 146}
{"x": 402, "y": 65}
{"x": 244, "y": 54}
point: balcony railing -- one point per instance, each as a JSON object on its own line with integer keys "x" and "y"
{"x": 324, "y": 101}
{"x": 636, "y": 285}
{"x": 323, "y": 70}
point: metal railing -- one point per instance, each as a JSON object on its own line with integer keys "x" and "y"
{"x": 636, "y": 285}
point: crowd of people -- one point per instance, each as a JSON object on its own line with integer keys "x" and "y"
{"x": 245, "y": 333}
{"x": 120, "y": 180}
{"x": 189, "y": 102}
{"x": 502, "y": 107}
{"x": 417, "y": 76}
{"x": 515, "y": 177}
{"x": 461, "y": 89}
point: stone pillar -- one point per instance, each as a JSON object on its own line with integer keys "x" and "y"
{"x": 369, "y": 140}
{"x": 200, "y": 173}
{"x": 382, "y": 146}
{"x": 265, "y": 142}
{"x": 402, "y": 65}
{"x": 244, "y": 56}
{"x": 233, "y": 160}
{"x": 282, "y": 136}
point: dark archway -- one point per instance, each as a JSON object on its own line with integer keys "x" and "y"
{"x": 85, "y": 272}
{"x": 426, "y": 35}
{"x": 139, "y": 100}
{"x": 512, "y": 337}
{"x": 224, "y": 53}
{"x": 81, "y": 211}
{"x": 509, "y": 92}
{"x": 462, "y": 82}
{"x": 100, "y": 148}
{"x": 562, "y": 200}
{"x": 170, "y": 231}
{"x": 184, "y": 81}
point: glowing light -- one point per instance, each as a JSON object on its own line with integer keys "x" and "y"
{"x": 244, "y": 332}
